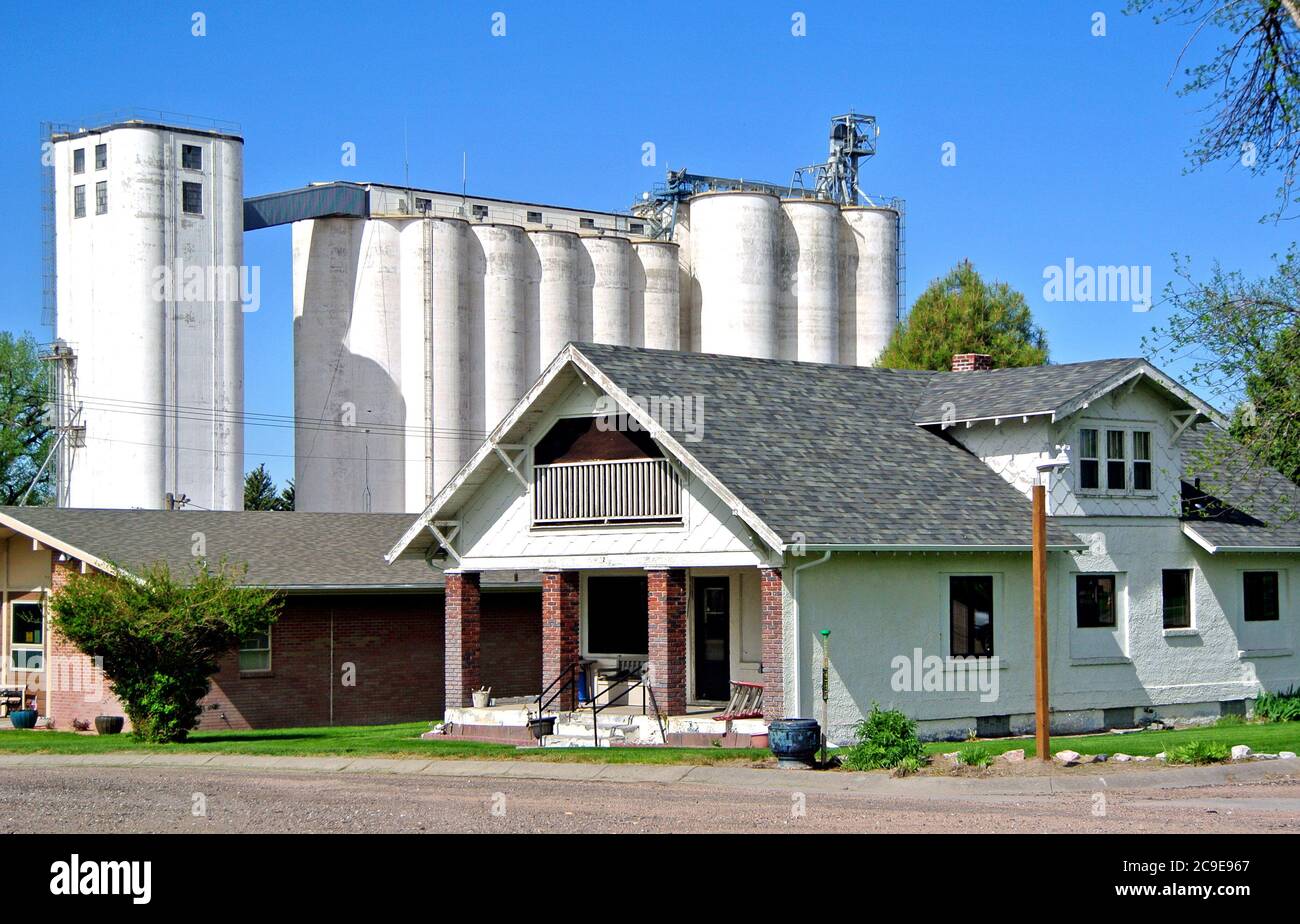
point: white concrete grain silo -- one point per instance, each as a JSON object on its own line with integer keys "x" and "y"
{"x": 810, "y": 262}
{"x": 149, "y": 283}
{"x": 655, "y": 302}
{"x": 735, "y": 242}
{"x": 868, "y": 282}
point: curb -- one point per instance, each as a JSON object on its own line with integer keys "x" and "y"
{"x": 755, "y": 778}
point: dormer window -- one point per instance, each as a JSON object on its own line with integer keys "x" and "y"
{"x": 1115, "y": 461}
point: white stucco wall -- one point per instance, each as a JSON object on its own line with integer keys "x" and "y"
{"x": 880, "y": 606}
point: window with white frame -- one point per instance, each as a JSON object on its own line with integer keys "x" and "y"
{"x": 255, "y": 652}
{"x": 191, "y": 157}
{"x": 1115, "y": 460}
{"x": 101, "y": 156}
{"x": 79, "y": 160}
{"x": 26, "y": 635}
{"x": 78, "y": 202}
{"x": 101, "y": 198}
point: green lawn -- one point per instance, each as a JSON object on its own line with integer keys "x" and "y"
{"x": 404, "y": 741}
{"x": 358, "y": 741}
{"x": 1267, "y": 738}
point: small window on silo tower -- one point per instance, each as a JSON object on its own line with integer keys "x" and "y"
{"x": 191, "y": 157}
{"x": 101, "y": 198}
{"x": 586, "y": 222}
{"x": 535, "y": 217}
{"x": 424, "y": 206}
{"x": 192, "y": 198}
{"x": 101, "y": 156}
{"x": 79, "y": 160}
{"x": 479, "y": 211}
{"x": 79, "y": 202}
{"x": 638, "y": 228}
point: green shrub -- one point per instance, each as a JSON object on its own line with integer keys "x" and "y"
{"x": 160, "y": 637}
{"x": 1279, "y": 707}
{"x": 885, "y": 738}
{"x": 1198, "y": 752}
{"x": 974, "y": 755}
{"x": 909, "y": 765}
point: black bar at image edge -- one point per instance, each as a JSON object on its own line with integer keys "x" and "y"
{"x": 373, "y": 872}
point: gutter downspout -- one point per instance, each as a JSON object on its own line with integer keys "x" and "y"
{"x": 798, "y": 636}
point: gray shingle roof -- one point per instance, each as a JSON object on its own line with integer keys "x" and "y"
{"x": 1243, "y": 504}
{"x": 1012, "y": 392}
{"x": 280, "y": 549}
{"x": 831, "y": 452}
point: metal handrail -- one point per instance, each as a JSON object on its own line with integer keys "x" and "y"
{"x": 570, "y": 678}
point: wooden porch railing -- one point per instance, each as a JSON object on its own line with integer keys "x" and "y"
{"x": 624, "y": 490}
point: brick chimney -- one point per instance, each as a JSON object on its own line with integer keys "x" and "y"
{"x": 971, "y": 362}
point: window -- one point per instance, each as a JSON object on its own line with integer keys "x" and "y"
{"x": 255, "y": 652}
{"x": 1094, "y": 596}
{"x": 1142, "y": 460}
{"x": 1176, "y": 596}
{"x": 101, "y": 156}
{"x": 535, "y": 217}
{"x": 618, "y": 617}
{"x": 28, "y": 636}
{"x": 1115, "y": 480}
{"x": 191, "y": 157}
{"x": 1259, "y": 596}
{"x": 79, "y": 202}
{"x": 423, "y": 206}
{"x": 586, "y": 222}
{"x": 79, "y": 160}
{"x": 101, "y": 198}
{"x": 479, "y": 211}
{"x": 192, "y": 198}
{"x": 971, "y": 613}
{"x": 1089, "y": 462}
{"x": 638, "y": 228}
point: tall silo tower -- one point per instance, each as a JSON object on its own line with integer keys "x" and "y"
{"x": 150, "y": 284}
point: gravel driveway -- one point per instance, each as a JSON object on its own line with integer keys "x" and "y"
{"x": 154, "y": 799}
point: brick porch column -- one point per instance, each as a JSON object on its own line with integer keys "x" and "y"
{"x": 461, "y": 665}
{"x": 666, "y": 589}
{"x": 559, "y": 629}
{"x": 771, "y": 586}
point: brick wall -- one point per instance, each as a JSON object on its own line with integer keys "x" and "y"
{"x": 560, "y": 629}
{"x": 393, "y": 641}
{"x": 667, "y": 604}
{"x": 512, "y": 642}
{"x": 770, "y": 592}
{"x": 76, "y": 688}
{"x": 341, "y": 659}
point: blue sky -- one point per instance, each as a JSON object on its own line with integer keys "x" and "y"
{"x": 1068, "y": 144}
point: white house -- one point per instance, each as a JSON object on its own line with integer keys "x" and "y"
{"x": 711, "y": 516}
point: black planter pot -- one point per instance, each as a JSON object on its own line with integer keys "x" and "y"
{"x": 541, "y": 727}
{"x": 794, "y": 742}
{"x": 109, "y": 724}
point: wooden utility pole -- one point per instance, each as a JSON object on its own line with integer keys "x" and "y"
{"x": 1041, "y": 710}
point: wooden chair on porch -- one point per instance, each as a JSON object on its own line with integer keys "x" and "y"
{"x": 13, "y": 698}
{"x": 746, "y": 701}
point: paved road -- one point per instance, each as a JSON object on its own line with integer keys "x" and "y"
{"x": 81, "y": 798}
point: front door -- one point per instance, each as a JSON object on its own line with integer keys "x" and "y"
{"x": 712, "y": 630}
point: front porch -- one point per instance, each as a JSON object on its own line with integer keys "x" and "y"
{"x": 647, "y": 656}
{"x": 615, "y": 726}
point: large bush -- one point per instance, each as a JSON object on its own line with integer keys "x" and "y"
{"x": 885, "y": 739}
{"x": 160, "y": 637}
